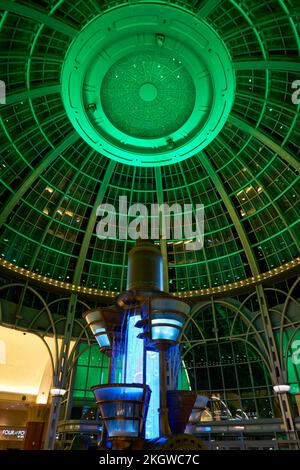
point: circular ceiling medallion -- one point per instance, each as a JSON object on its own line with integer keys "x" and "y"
{"x": 148, "y": 84}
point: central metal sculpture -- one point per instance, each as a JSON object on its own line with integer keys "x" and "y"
{"x": 140, "y": 333}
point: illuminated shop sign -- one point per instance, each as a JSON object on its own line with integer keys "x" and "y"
{"x": 13, "y": 433}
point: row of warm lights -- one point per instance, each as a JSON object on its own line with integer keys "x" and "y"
{"x": 55, "y": 282}
{"x": 107, "y": 293}
{"x": 258, "y": 189}
{"x": 243, "y": 283}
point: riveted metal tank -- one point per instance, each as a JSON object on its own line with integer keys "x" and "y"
{"x": 145, "y": 267}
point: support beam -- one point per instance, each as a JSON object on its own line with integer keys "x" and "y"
{"x": 61, "y": 374}
{"x": 125, "y": 253}
{"x": 36, "y": 15}
{"x": 207, "y": 7}
{"x": 279, "y": 376}
{"x": 163, "y": 242}
{"x": 232, "y": 212}
{"x": 244, "y": 126}
{"x": 24, "y": 95}
{"x": 260, "y": 64}
{"x": 203, "y": 248}
{"x": 60, "y": 379}
{"x": 92, "y": 222}
{"x": 52, "y": 155}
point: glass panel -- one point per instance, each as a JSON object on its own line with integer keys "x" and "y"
{"x": 165, "y": 332}
{"x": 122, "y": 427}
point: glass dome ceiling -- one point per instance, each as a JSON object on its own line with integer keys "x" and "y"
{"x": 53, "y": 180}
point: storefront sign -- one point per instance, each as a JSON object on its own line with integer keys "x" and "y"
{"x": 13, "y": 433}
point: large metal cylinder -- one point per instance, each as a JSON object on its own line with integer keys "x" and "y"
{"x": 145, "y": 267}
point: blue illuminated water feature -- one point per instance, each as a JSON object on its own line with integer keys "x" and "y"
{"x": 133, "y": 370}
{"x": 152, "y": 379}
{"x": 134, "y": 352}
{"x": 173, "y": 366}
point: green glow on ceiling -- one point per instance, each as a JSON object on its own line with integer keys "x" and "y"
{"x": 148, "y": 95}
{"x": 148, "y": 85}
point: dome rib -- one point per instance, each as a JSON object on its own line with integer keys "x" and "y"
{"x": 40, "y": 17}
{"x": 232, "y": 212}
{"x": 246, "y": 127}
{"x": 272, "y": 201}
{"x": 15, "y": 198}
{"x": 92, "y": 221}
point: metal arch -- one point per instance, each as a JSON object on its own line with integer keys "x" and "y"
{"x": 246, "y": 127}
{"x": 34, "y": 130}
{"x": 67, "y": 298}
{"x": 237, "y": 310}
{"x": 62, "y": 371}
{"x": 185, "y": 340}
{"x": 45, "y": 306}
{"x": 28, "y": 84}
{"x": 232, "y": 212}
{"x": 126, "y": 240}
{"x": 265, "y": 58}
{"x": 263, "y": 51}
{"x": 38, "y": 16}
{"x": 266, "y": 191}
{"x": 287, "y": 294}
{"x": 283, "y": 65}
{"x": 259, "y": 99}
{"x": 238, "y": 6}
{"x": 59, "y": 320}
{"x": 248, "y": 322}
{"x": 83, "y": 329}
{"x": 83, "y": 303}
{"x": 15, "y": 98}
{"x": 52, "y": 155}
{"x": 28, "y": 69}
{"x": 287, "y": 322}
{"x": 292, "y": 23}
{"x": 163, "y": 242}
{"x": 237, "y": 339}
{"x": 39, "y": 314}
{"x": 72, "y": 360}
{"x": 16, "y": 284}
{"x": 248, "y": 298}
{"x": 251, "y": 323}
{"x": 207, "y": 7}
{"x": 48, "y": 349}
{"x": 192, "y": 320}
{"x": 293, "y": 286}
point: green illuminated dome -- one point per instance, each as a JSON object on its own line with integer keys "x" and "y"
{"x": 136, "y": 78}
{"x": 176, "y": 102}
